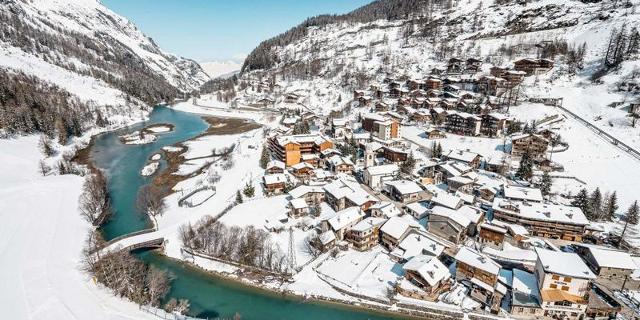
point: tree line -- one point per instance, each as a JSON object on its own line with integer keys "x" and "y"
{"x": 244, "y": 245}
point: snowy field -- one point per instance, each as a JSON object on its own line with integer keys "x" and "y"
{"x": 41, "y": 238}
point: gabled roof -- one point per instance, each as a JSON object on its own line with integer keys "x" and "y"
{"x": 275, "y": 178}
{"x": 477, "y": 260}
{"x": 386, "y": 169}
{"x": 611, "y": 258}
{"x": 417, "y": 243}
{"x": 405, "y": 186}
{"x": 564, "y": 263}
{"x": 275, "y": 164}
{"x": 523, "y": 193}
{"x": 453, "y": 215}
{"x": 429, "y": 268}
{"x": 395, "y": 227}
{"x": 299, "y": 203}
{"x": 345, "y": 217}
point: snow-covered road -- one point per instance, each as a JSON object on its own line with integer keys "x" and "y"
{"x": 41, "y": 236}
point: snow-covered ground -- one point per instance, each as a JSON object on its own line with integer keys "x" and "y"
{"x": 41, "y": 238}
{"x": 150, "y": 169}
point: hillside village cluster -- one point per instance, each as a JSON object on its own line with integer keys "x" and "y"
{"x": 454, "y": 221}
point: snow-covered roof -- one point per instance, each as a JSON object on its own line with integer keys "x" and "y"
{"x": 405, "y": 186}
{"x": 275, "y": 178}
{"x": 512, "y": 254}
{"x": 275, "y": 164}
{"x": 477, "y": 260}
{"x": 462, "y": 155}
{"x": 386, "y": 169}
{"x": 492, "y": 227}
{"x": 416, "y": 243}
{"x": 527, "y": 135}
{"x": 302, "y": 190}
{"x": 326, "y": 237}
{"x": 418, "y": 207}
{"x": 337, "y": 160}
{"x": 461, "y": 180}
{"x": 522, "y": 193}
{"x": 299, "y": 203}
{"x": 611, "y": 258}
{"x": 301, "y": 138}
{"x": 360, "y": 197}
{"x": 466, "y": 197}
{"x": 345, "y": 217}
{"x": 395, "y": 227}
{"x": 302, "y": 165}
{"x": 564, "y": 263}
{"x": 429, "y": 268}
{"x": 445, "y": 199}
{"x": 386, "y": 208}
{"x": 368, "y": 223}
{"x": 451, "y": 214}
{"x": 542, "y": 211}
{"x": 340, "y": 122}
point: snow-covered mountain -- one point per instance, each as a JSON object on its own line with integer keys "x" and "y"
{"x": 61, "y": 41}
{"x": 222, "y": 69}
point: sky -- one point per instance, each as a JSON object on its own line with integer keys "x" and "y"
{"x": 220, "y": 30}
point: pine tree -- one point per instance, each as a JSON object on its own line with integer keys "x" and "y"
{"x": 545, "y": 183}
{"x": 238, "y": 197}
{"x": 595, "y": 204}
{"x": 582, "y": 201}
{"x": 408, "y": 165}
{"x": 249, "y": 190}
{"x": 264, "y": 158}
{"x": 632, "y": 213}
{"x": 611, "y": 207}
{"x": 525, "y": 171}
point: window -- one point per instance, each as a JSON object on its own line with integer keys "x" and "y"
{"x": 553, "y": 286}
{"x": 565, "y": 288}
{"x": 555, "y": 277}
{"x": 567, "y": 279}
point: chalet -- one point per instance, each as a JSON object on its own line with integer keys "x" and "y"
{"x": 543, "y": 220}
{"x": 607, "y": 262}
{"x": 424, "y": 277}
{"x": 498, "y": 164}
{"x": 414, "y": 84}
{"x": 365, "y": 234}
{"x": 289, "y": 149}
{"x": 275, "y": 166}
{"x": 376, "y": 177}
{"x": 359, "y": 93}
{"x": 634, "y": 107}
{"x": 467, "y": 157}
{"x": 433, "y": 84}
{"x": 312, "y": 159}
{"x": 533, "y": 66}
{"x": 364, "y": 101}
{"x": 340, "y": 164}
{"x": 291, "y": 98}
{"x": 438, "y": 115}
{"x": 405, "y": 191}
{"x": 345, "y": 220}
{"x": 493, "y": 124}
{"x": 534, "y": 144}
{"x": 480, "y": 273}
{"x": 461, "y": 184}
{"x": 341, "y": 194}
{"x": 518, "y": 193}
{"x": 382, "y": 106}
{"x": 462, "y": 123}
{"x": 448, "y": 224}
{"x": 455, "y": 66}
{"x": 421, "y": 116}
{"x": 311, "y": 194}
{"x": 441, "y": 198}
{"x": 417, "y": 210}
{"x": 265, "y": 102}
{"x": 435, "y": 134}
{"x": 302, "y": 170}
{"x": 340, "y": 128}
{"x": 492, "y": 235}
{"x": 274, "y": 183}
{"x": 327, "y": 240}
{"x": 395, "y": 155}
{"x": 416, "y": 243}
{"x": 563, "y": 279}
{"x": 514, "y": 77}
{"x": 395, "y": 230}
{"x": 384, "y": 209}
{"x": 473, "y": 65}
{"x": 298, "y": 208}
{"x": 493, "y": 86}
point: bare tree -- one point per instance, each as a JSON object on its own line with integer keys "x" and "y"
{"x": 151, "y": 202}
{"x": 95, "y": 205}
{"x": 43, "y": 168}
{"x": 158, "y": 284}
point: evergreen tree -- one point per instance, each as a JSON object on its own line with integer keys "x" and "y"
{"x": 545, "y": 183}
{"x": 632, "y": 213}
{"x": 264, "y": 158}
{"x": 409, "y": 164}
{"x": 595, "y": 204}
{"x": 238, "y": 197}
{"x": 611, "y": 207}
{"x": 582, "y": 201}
{"x": 248, "y": 191}
{"x": 525, "y": 171}
{"x": 439, "y": 150}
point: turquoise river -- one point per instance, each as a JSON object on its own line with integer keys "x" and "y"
{"x": 210, "y": 297}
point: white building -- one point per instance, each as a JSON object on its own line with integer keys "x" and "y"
{"x": 375, "y": 177}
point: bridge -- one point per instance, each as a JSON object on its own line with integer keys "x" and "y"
{"x": 143, "y": 239}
